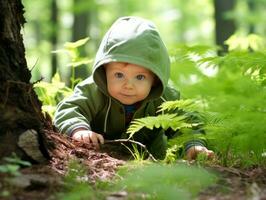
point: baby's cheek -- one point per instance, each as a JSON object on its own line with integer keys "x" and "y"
{"x": 147, "y": 84}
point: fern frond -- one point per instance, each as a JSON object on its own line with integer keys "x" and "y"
{"x": 187, "y": 104}
{"x": 164, "y": 121}
{"x": 212, "y": 119}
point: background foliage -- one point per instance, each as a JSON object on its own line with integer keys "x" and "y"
{"x": 38, "y": 30}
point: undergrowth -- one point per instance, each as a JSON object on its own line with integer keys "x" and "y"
{"x": 9, "y": 170}
{"x": 231, "y": 91}
{"x": 160, "y": 181}
{"x": 76, "y": 185}
{"x": 137, "y": 180}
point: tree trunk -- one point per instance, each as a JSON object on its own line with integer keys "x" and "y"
{"x": 224, "y": 27}
{"x": 20, "y": 109}
{"x": 252, "y": 10}
{"x": 53, "y": 37}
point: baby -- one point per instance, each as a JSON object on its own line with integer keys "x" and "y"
{"x": 129, "y": 81}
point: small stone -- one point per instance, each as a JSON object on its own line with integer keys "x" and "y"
{"x": 28, "y": 141}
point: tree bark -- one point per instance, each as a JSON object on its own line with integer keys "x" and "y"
{"x": 224, "y": 27}
{"x": 19, "y": 106}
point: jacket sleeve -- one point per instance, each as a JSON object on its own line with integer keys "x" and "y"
{"x": 197, "y": 137}
{"x": 79, "y": 109}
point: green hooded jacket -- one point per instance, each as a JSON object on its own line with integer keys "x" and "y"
{"x": 131, "y": 40}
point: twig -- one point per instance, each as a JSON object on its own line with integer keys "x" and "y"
{"x": 133, "y": 142}
{"x": 39, "y": 80}
{"x": 65, "y": 143}
{"x": 34, "y": 64}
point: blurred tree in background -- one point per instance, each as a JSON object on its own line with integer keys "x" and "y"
{"x": 224, "y": 26}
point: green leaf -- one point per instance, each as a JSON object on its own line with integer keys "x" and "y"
{"x": 78, "y": 43}
{"x": 187, "y": 104}
{"x": 52, "y": 93}
{"x": 242, "y": 42}
{"x": 10, "y": 169}
{"x": 165, "y": 121}
{"x": 16, "y": 160}
{"x": 79, "y": 62}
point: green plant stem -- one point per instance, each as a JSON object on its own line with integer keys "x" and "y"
{"x": 72, "y": 77}
{"x": 134, "y": 142}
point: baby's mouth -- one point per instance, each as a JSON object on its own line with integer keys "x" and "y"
{"x": 127, "y": 95}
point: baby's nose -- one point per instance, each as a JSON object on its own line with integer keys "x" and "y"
{"x": 129, "y": 83}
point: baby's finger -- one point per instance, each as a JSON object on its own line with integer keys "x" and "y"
{"x": 210, "y": 154}
{"x": 78, "y": 138}
{"x": 100, "y": 138}
{"x": 94, "y": 140}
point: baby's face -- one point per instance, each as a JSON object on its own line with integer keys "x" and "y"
{"x": 128, "y": 83}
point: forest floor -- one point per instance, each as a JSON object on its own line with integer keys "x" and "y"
{"x": 45, "y": 181}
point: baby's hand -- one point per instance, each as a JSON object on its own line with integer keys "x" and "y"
{"x": 192, "y": 152}
{"x": 88, "y": 136}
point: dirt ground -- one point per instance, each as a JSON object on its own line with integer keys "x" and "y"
{"x": 43, "y": 182}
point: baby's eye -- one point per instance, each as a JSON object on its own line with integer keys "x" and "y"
{"x": 119, "y": 75}
{"x": 140, "y": 77}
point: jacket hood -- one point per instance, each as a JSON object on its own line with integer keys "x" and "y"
{"x": 133, "y": 40}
